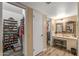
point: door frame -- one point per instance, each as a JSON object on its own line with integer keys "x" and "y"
{"x": 1, "y": 30}
{"x": 77, "y": 33}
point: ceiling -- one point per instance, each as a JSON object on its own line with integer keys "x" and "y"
{"x": 12, "y": 8}
{"x": 54, "y": 9}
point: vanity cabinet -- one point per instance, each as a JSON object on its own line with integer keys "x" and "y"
{"x": 68, "y": 43}
{"x": 71, "y": 43}
{"x": 60, "y": 43}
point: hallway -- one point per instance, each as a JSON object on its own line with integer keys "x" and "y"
{"x": 38, "y": 25}
{"x": 53, "y": 51}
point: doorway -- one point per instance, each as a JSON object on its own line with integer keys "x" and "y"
{"x": 13, "y": 30}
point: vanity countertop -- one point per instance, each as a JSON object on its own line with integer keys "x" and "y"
{"x": 65, "y": 37}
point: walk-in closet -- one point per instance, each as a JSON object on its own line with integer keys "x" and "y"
{"x": 13, "y": 30}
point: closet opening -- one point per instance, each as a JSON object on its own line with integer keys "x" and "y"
{"x": 13, "y": 30}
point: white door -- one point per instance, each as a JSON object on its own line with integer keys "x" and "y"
{"x": 37, "y": 32}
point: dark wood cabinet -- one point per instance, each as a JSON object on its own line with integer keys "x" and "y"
{"x": 71, "y": 27}
{"x": 59, "y": 28}
{"x": 60, "y": 43}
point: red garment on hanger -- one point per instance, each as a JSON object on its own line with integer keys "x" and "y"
{"x": 21, "y": 30}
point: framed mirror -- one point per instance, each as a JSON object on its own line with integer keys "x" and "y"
{"x": 70, "y": 27}
{"x": 59, "y": 27}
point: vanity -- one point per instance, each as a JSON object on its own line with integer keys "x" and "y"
{"x": 65, "y": 42}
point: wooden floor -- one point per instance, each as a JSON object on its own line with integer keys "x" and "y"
{"x": 53, "y": 51}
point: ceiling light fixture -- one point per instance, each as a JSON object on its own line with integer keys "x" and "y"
{"x": 48, "y": 2}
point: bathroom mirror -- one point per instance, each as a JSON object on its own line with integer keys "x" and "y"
{"x": 70, "y": 27}
{"x": 59, "y": 27}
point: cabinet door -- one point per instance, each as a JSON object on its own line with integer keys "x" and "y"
{"x": 71, "y": 43}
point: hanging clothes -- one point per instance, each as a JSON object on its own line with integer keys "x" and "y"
{"x": 21, "y": 32}
{"x": 21, "y": 28}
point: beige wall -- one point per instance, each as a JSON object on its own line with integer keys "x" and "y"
{"x": 54, "y": 21}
